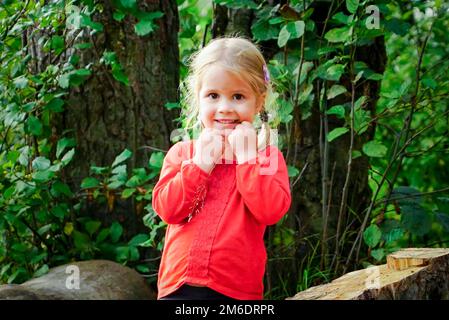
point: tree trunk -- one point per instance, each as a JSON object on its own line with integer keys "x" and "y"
{"x": 306, "y": 213}
{"x": 105, "y": 116}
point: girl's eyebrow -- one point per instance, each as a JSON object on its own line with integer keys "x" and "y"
{"x": 218, "y": 90}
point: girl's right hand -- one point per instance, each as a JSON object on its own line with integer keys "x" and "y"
{"x": 209, "y": 148}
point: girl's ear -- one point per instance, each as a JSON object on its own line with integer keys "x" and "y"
{"x": 261, "y": 102}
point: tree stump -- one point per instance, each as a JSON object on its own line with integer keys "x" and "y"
{"x": 412, "y": 274}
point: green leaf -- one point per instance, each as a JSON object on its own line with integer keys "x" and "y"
{"x": 122, "y": 253}
{"x": 62, "y": 144}
{"x": 378, "y": 254}
{"x": 172, "y": 105}
{"x": 19, "y": 247}
{"x": 337, "y": 110}
{"x": 284, "y": 35}
{"x": 156, "y": 160}
{"x": 342, "y": 18}
{"x": 338, "y": 34}
{"x": 21, "y": 82}
{"x": 356, "y": 154}
{"x": 144, "y": 27}
{"x": 86, "y": 21}
{"x": 134, "y": 181}
{"x": 443, "y": 218}
{"x": 34, "y": 125}
{"x": 296, "y": 29}
{"x": 134, "y": 254}
{"x": 362, "y": 120}
{"x": 122, "y": 157}
{"x": 115, "y": 184}
{"x": 128, "y": 3}
{"x": 81, "y": 240}
{"x": 405, "y": 195}
{"x": 118, "y": 15}
{"x": 55, "y": 105}
{"x": 391, "y": 230}
{"x": 39, "y": 257}
{"x": 82, "y": 72}
{"x": 92, "y": 227}
{"x": 372, "y": 235}
{"x": 262, "y": 30}
{"x": 397, "y": 26}
{"x": 138, "y": 239}
{"x": 374, "y": 149}
{"x": 59, "y": 188}
{"x": 74, "y": 59}
{"x": 15, "y": 275}
{"x": 99, "y": 170}
{"x": 73, "y": 78}
{"x": 415, "y": 219}
{"x": 142, "y": 268}
{"x": 334, "y": 72}
{"x": 119, "y": 75}
{"x": 128, "y": 193}
{"x": 57, "y": 44}
{"x": 292, "y": 171}
{"x": 59, "y": 211}
{"x": 89, "y": 182}
{"x": 83, "y": 45}
{"x": 335, "y": 90}
{"x": 116, "y": 231}
{"x": 43, "y": 176}
{"x": 238, "y": 4}
{"x": 360, "y": 102}
{"x": 68, "y": 157}
{"x": 334, "y": 134}
{"x": 40, "y": 163}
{"x": 104, "y": 233}
{"x": 352, "y": 5}
{"x": 120, "y": 170}
{"x": 41, "y": 271}
{"x": 7, "y": 194}
{"x": 64, "y": 80}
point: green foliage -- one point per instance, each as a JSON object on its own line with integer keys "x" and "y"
{"x": 42, "y": 220}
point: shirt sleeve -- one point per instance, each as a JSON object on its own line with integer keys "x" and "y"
{"x": 264, "y": 185}
{"x": 181, "y": 186}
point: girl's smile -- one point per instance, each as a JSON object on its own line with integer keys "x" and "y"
{"x": 226, "y": 123}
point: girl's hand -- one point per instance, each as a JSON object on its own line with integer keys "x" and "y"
{"x": 243, "y": 141}
{"x": 208, "y": 149}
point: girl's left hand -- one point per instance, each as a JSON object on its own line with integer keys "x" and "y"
{"x": 243, "y": 142}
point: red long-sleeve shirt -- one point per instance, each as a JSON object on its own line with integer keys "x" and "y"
{"x": 221, "y": 246}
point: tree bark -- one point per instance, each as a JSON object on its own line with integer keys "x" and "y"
{"x": 105, "y": 116}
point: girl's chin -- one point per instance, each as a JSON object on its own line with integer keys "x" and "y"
{"x": 226, "y": 127}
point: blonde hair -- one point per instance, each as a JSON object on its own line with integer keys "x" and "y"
{"x": 238, "y": 55}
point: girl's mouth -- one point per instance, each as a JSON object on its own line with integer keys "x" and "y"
{"x": 227, "y": 121}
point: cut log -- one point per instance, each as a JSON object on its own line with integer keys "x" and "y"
{"x": 413, "y": 273}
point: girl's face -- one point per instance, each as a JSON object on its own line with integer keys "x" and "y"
{"x": 226, "y": 99}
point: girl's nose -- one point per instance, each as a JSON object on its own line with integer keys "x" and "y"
{"x": 225, "y": 106}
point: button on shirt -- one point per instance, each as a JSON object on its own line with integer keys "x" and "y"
{"x": 216, "y": 222}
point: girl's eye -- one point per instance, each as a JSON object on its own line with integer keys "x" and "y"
{"x": 238, "y": 96}
{"x": 213, "y": 95}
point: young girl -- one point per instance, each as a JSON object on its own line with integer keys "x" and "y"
{"x": 219, "y": 192}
